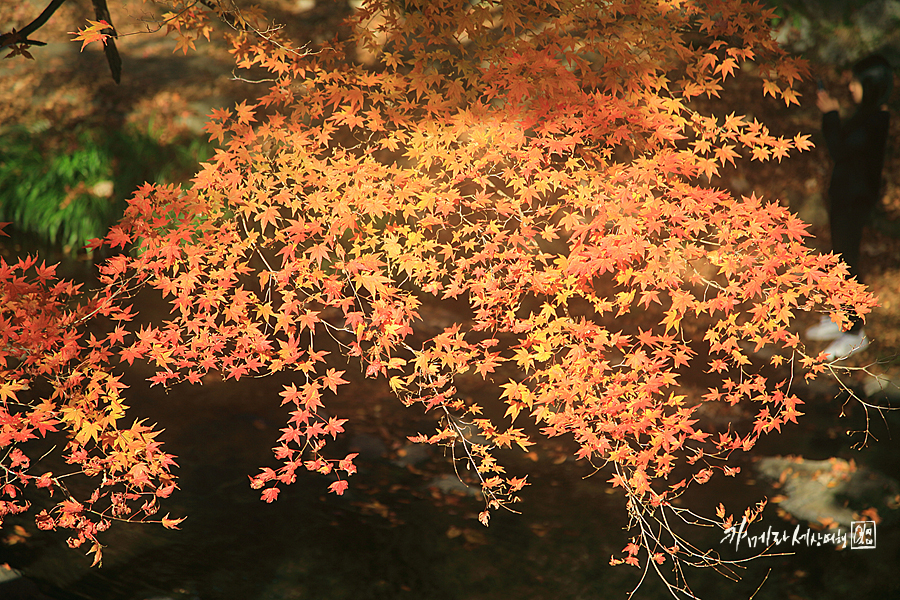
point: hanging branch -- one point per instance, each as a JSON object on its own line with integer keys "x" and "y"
{"x": 109, "y": 47}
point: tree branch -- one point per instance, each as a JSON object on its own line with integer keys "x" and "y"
{"x": 21, "y": 37}
{"x": 109, "y": 46}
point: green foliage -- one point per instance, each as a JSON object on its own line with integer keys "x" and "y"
{"x": 69, "y": 192}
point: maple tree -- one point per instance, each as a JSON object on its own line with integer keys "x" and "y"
{"x": 544, "y": 161}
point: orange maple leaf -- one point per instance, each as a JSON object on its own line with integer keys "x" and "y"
{"x": 92, "y": 33}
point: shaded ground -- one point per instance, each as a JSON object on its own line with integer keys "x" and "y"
{"x": 393, "y": 535}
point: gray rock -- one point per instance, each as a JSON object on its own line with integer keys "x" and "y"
{"x": 882, "y": 387}
{"x": 450, "y": 484}
{"x": 411, "y": 455}
{"x": 8, "y": 574}
{"x": 817, "y": 491}
{"x": 368, "y": 446}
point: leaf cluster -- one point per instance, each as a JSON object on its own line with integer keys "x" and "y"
{"x": 545, "y": 163}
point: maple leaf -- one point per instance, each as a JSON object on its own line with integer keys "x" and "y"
{"x": 334, "y": 426}
{"x": 770, "y": 88}
{"x": 71, "y": 506}
{"x": 8, "y": 389}
{"x": 802, "y": 142}
{"x": 267, "y": 216}
{"x": 318, "y": 253}
{"x": 46, "y": 425}
{"x": 169, "y": 523}
{"x": 94, "y": 32}
{"x": 309, "y": 320}
{"x": 346, "y": 464}
{"x": 290, "y": 394}
{"x": 487, "y": 365}
{"x": 244, "y": 112}
{"x": 184, "y": 43}
{"x": 726, "y": 68}
{"x": 45, "y": 481}
{"x": 790, "y": 97}
{"x": 338, "y": 487}
{"x": 332, "y": 379}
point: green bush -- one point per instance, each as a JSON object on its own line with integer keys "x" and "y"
{"x": 66, "y": 193}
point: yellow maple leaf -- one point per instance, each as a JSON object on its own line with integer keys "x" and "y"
{"x": 92, "y": 33}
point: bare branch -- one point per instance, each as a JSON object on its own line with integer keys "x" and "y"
{"x": 109, "y": 46}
